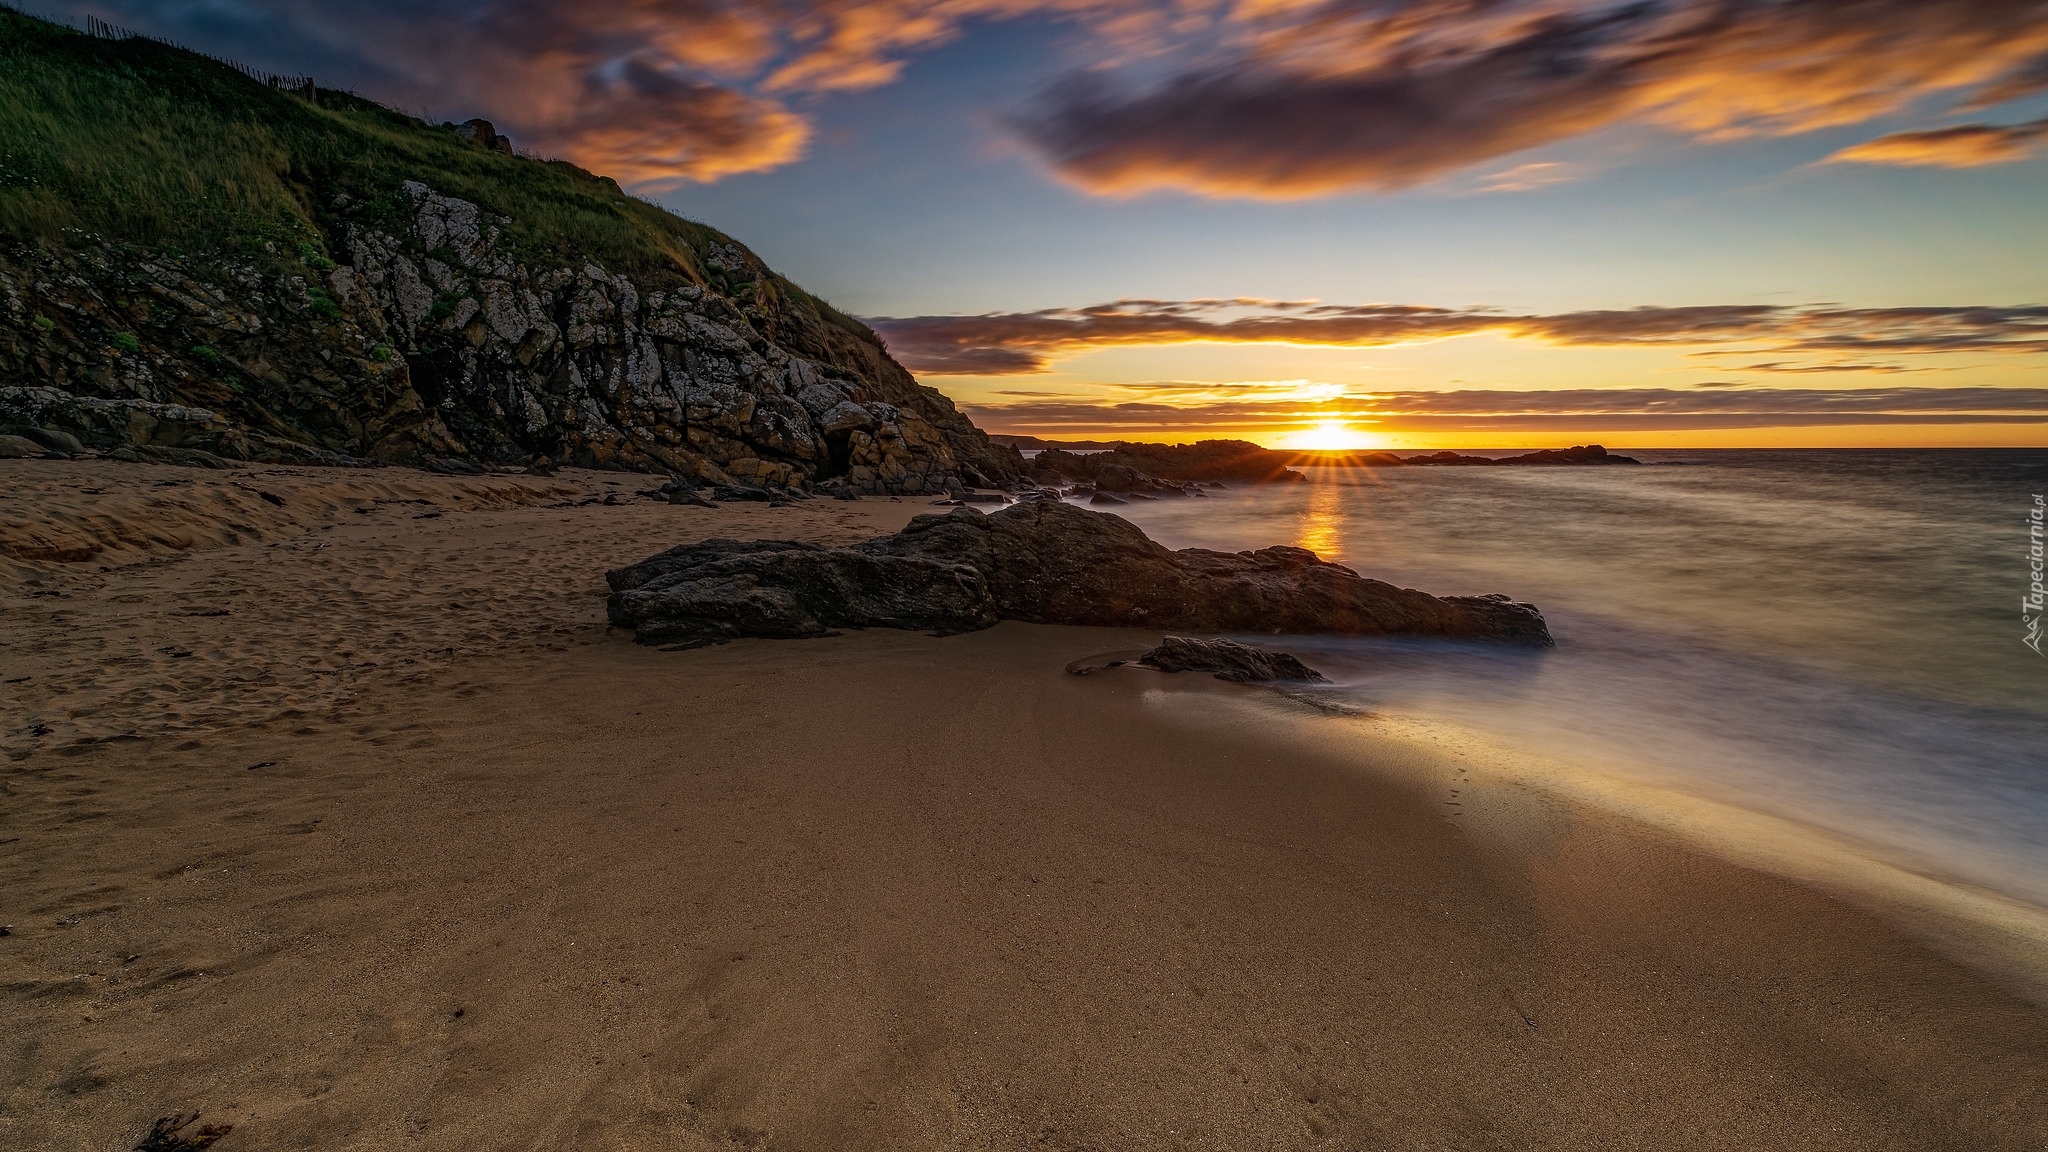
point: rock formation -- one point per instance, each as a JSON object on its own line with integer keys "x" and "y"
{"x": 1239, "y": 461}
{"x": 1041, "y": 561}
{"x": 1132, "y": 466}
{"x": 194, "y": 261}
{"x": 1228, "y": 660}
{"x": 436, "y": 340}
{"x": 1576, "y": 455}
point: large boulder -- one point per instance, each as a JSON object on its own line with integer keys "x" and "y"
{"x": 1039, "y": 561}
{"x": 805, "y": 591}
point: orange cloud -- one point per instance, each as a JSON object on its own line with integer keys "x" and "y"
{"x": 1963, "y": 146}
{"x": 852, "y": 44}
{"x": 1262, "y": 98}
{"x": 1008, "y": 343}
{"x": 1326, "y": 97}
{"x": 652, "y": 92}
{"x": 1779, "y": 367}
{"x": 1527, "y": 177}
{"x": 654, "y": 128}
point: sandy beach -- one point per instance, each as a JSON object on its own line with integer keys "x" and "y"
{"x": 334, "y": 812}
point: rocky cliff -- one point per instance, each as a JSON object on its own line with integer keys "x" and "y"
{"x": 431, "y": 342}
{"x": 393, "y": 291}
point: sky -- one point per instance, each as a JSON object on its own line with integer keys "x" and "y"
{"x": 1314, "y": 223}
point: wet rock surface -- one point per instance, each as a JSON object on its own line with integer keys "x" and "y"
{"x": 726, "y": 589}
{"x": 1228, "y": 660}
{"x": 1039, "y": 561}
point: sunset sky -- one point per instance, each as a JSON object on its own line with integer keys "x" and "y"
{"x": 1376, "y": 223}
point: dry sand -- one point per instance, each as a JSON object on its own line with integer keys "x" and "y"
{"x": 345, "y": 820}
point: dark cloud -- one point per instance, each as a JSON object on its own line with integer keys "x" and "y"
{"x": 1781, "y": 366}
{"x": 1383, "y": 94}
{"x": 641, "y": 90}
{"x": 1017, "y": 342}
{"x": 1009, "y": 343}
{"x": 932, "y": 358}
{"x": 1258, "y": 97}
{"x": 650, "y": 91}
{"x": 1962, "y": 146}
{"x": 2022, "y": 329}
{"x": 1587, "y": 409}
{"x": 1257, "y": 128}
{"x": 2022, "y": 81}
{"x": 652, "y": 126}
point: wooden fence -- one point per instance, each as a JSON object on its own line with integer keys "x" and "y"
{"x": 301, "y": 86}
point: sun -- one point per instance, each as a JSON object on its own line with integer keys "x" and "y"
{"x": 1331, "y": 436}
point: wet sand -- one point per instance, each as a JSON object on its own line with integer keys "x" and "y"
{"x": 360, "y": 830}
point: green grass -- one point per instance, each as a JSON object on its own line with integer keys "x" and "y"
{"x": 138, "y": 141}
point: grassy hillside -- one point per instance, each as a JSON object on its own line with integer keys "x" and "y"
{"x": 142, "y": 142}
{"x": 177, "y": 235}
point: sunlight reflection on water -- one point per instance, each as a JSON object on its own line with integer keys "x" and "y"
{"x": 1320, "y": 528}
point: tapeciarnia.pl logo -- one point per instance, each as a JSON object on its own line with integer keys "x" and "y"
{"x": 2036, "y": 599}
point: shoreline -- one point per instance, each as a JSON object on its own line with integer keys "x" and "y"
{"x": 1499, "y": 789}
{"x": 1991, "y": 932}
{"x": 408, "y": 848}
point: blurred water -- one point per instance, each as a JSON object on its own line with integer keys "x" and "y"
{"x": 1829, "y": 636}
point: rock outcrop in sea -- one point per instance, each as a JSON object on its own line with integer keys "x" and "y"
{"x": 1042, "y": 561}
{"x": 1125, "y": 467}
{"x": 1578, "y": 455}
{"x": 1131, "y": 466}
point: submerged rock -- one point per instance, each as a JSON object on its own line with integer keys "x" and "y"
{"x": 1037, "y": 561}
{"x": 1228, "y": 660}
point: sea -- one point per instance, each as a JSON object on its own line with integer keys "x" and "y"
{"x": 1838, "y": 639}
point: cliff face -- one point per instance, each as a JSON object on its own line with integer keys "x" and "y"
{"x": 191, "y": 259}
{"x": 431, "y": 341}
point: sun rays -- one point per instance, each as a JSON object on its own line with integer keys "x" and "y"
{"x": 1332, "y": 436}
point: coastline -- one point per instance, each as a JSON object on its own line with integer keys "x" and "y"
{"x": 1994, "y": 933}
{"x": 499, "y": 877}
